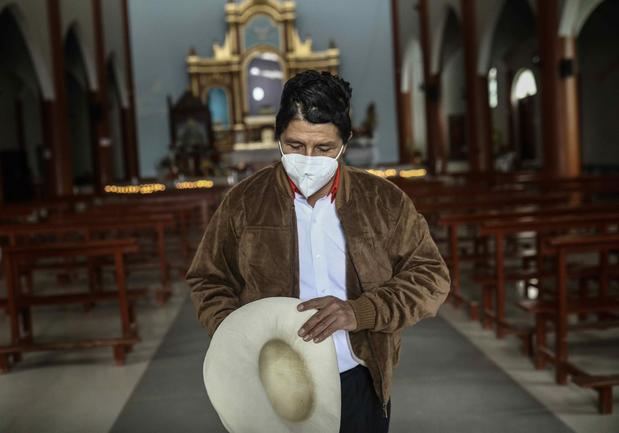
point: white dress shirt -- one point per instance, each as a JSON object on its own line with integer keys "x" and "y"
{"x": 322, "y": 263}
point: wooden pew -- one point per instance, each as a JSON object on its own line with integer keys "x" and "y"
{"x": 538, "y": 180}
{"x": 207, "y": 199}
{"x": 453, "y": 223}
{"x": 89, "y": 227}
{"x": 31, "y": 212}
{"x": 482, "y": 204}
{"x": 603, "y": 385}
{"x": 38, "y": 210}
{"x": 466, "y": 199}
{"x": 467, "y": 187}
{"x": 561, "y": 305}
{"x": 20, "y": 302}
{"x": 489, "y": 203}
{"x": 181, "y": 211}
{"x": 499, "y": 230}
{"x": 189, "y": 209}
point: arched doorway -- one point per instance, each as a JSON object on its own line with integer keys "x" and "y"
{"x": 515, "y": 122}
{"x": 23, "y": 168}
{"x": 523, "y": 99}
{"x": 598, "y": 64}
{"x": 79, "y": 114}
{"x": 453, "y": 91}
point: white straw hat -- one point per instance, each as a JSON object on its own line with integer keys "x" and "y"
{"x": 262, "y": 377}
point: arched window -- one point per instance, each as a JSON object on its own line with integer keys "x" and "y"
{"x": 493, "y": 88}
{"x": 218, "y": 105}
{"x": 524, "y": 85}
{"x": 265, "y": 80}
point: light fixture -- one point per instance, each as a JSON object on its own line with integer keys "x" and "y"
{"x": 258, "y": 94}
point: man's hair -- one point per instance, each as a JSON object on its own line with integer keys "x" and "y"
{"x": 316, "y": 97}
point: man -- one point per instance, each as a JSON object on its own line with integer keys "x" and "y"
{"x": 347, "y": 243}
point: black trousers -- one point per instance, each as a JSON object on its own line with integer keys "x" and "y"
{"x": 362, "y": 410}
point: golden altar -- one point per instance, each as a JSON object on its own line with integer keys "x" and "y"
{"x": 242, "y": 82}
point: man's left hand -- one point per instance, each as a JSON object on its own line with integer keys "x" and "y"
{"x": 333, "y": 315}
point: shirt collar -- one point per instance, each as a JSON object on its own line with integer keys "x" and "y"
{"x": 332, "y": 191}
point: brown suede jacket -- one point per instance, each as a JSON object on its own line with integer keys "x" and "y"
{"x": 395, "y": 273}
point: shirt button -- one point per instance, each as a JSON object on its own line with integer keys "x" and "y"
{"x": 317, "y": 256}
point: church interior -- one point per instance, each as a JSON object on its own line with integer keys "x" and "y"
{"x": 123, "y": 123}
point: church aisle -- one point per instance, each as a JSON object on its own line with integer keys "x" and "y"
{"x": 446, "y": 384}
{"x": 443, "y": 384}
{"x": 171, "y": 396}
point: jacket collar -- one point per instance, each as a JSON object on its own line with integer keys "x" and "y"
{"x": 343, "y": 188}
{"x": 332, "y": 191}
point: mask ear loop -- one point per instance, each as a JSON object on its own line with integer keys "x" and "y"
{"x": 340, "y": 152}
{"x": 344, "y": 144}
{"x": 279, "y": 142}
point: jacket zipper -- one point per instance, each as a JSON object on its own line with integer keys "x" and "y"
{"x": 295, "y": 252}
{"x": 380, "y": 373}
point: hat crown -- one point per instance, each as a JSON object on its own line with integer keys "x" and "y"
{"x": 262, "y": 377}
{"x": 286, "y": 380}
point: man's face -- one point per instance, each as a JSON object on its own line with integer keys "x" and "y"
{"x": 311, "y": 139}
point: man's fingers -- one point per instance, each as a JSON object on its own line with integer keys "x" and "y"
{"x": 313, "y": 321}
{"x": 320, "y": 327}
{"x": 327, "y": 332}
{"x": 317, "y": 303}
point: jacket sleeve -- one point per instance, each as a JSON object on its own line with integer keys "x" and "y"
{"x": 420, "y": 281}
{"x": 213, "y": 275}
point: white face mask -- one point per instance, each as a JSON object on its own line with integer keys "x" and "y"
{"x": 309, "y": 173}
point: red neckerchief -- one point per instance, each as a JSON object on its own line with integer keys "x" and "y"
{"x": 332, "y": 191}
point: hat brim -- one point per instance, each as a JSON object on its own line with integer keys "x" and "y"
{"x": 232, "y": 376}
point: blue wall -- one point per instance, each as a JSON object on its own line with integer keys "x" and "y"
{"x": 162, "y": 32}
